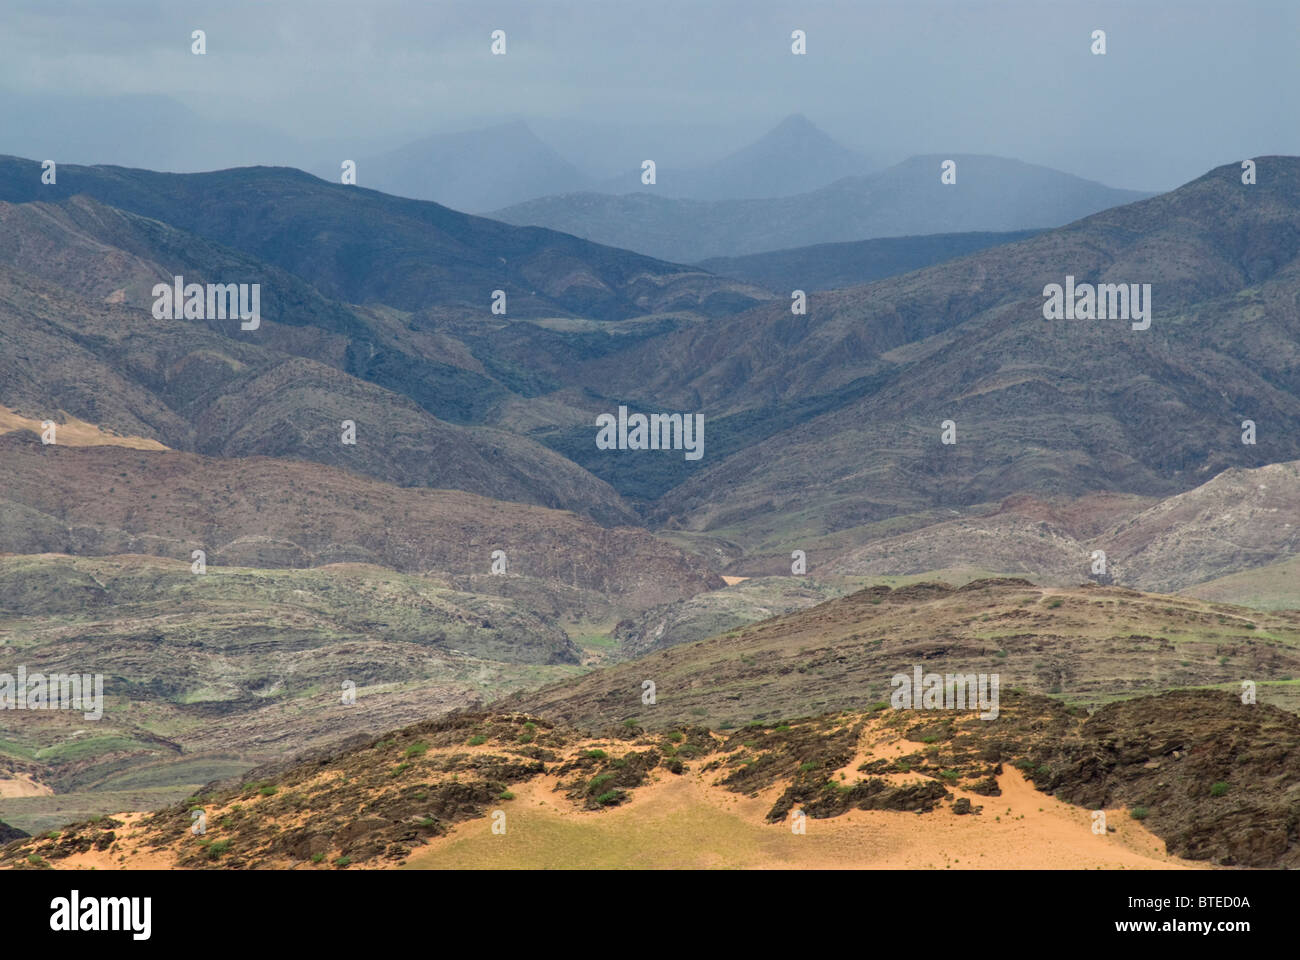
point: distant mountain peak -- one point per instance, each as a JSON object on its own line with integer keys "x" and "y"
{"x": 796, "y": 128}
{"x": 795, "y": 122}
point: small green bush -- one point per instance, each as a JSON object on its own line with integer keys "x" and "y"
{"x": 217, "y": 848}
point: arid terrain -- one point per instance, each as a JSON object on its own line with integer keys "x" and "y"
{"x": 384, "y": 507}
{"x": 883, "y": 788}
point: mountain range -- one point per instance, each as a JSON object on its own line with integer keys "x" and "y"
{"x": 486, "y": 169}
{"x": 475, "y": 542}
{"x": 909, "y": 198}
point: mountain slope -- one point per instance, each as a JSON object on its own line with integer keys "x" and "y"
{"x": 1238, "y": 521}
{"x": 829, "y": 266}
{"x": 361, "y": 246}
{"x": 98, "y": 354}
{"x": 280, "y": 513}
{"x": 1059, "y": 408}
{"x": 202, "y": 674}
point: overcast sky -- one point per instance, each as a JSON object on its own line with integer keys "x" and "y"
{"x": 1184, "y": 86}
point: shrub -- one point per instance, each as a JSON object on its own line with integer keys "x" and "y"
{"x": 268, "y": 791}
{"x": 217, "y": 848}
{"x": 1218, "y": 789}
{"x": 595, "y": 754}
{"x": 613, "y": 796}
{"x": 317, "y": 857}
{"x": 477, "y": 740}
{"x": 417, "y": 750}
{"x": 506, "y": 795}
{"x": 1139, "y": 813}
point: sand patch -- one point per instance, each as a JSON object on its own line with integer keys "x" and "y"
{"x": 75, "y": 433}
{"x": 21, "y": 785}
{"x": 685, "y": 822}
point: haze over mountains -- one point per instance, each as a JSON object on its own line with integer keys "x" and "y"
{"x": 990, "y": 193}
{"x": 474, "y": 171}
{"x": 482, "y": 170}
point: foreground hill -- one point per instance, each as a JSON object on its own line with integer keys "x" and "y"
{"x": 991, "y": 194}
{"x": 1206, "y": 774}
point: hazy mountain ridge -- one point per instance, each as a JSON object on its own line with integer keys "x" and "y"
{"x": 474, "y": 170}
{"x": 793, "y": 157}
{"x": 990, "y": 194}
{"x": 497, "y": 166}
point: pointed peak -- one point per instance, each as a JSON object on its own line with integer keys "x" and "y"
{"x": 794, "y": 123}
